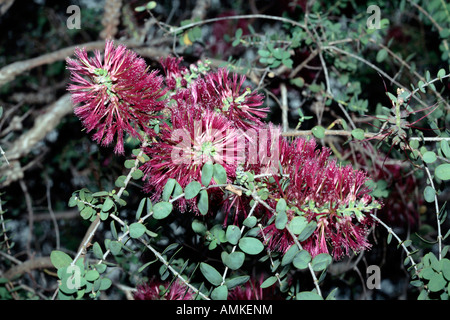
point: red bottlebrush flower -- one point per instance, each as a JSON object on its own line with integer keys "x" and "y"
{"x": 335, "y": 198}
{"x": 240, "y": 105}
{"x": 114, "y": 94}
{"x": 193, "y": 140}
{"x": 160, "y": 291}
{"x": 174, "y": 72}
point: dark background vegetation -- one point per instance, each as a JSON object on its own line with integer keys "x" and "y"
{"x": 65, "y": 159}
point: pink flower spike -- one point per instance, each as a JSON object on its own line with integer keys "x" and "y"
{"x": 115, "y": 94}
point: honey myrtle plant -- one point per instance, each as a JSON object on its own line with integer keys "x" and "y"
{"x": 207, "y": 154}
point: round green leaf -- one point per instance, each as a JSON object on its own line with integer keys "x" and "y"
{"x": 381, "y": 55}
{"x": 429, "y": 157}
{"x": 98, "y": 253}
{"x": 301, "y": 259}
{"x": 298, "y": 224}
{"x": 321, "y": 261}
{"x": 211, "y": 274}
{"x": 198, "y": 227}
{"x": 137, "y": 229}
{"x": 235, "y": 260}
{"x": 250, "y": 222}
{"x": 115, "y": 247}
{"x": 107, "y": 205}
{"x": 281, "y": 205}
{"x": 281, "y": 220}
{"x": 318, "y": 132}
{"x": 92, "y": 275}
{"x": 192, "y": 190}
{"x": 105, "y": 284}
{"x": 443, "y": 171}
{"x": 437, "y": 282}
{"x": 220, "y": 175}
{"x": 220, "y": 293}
{"x": 251, "y": 245}
{"x": 233, "y": 234}
{"x": 429, "y": 194}
{"x": 358, "y": 134}
{"x": 161, "y": 210}
{"x": 207, "y": 173}
{"x": 137, "y": 174}
{"x": 60, "y": 259}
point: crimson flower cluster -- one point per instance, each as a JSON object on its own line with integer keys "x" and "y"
{"x": 211, "y": 116}
{"x": 114, "y": 93}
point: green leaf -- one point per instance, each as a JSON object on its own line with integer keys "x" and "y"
{"x": 429, "y": 157}
{"x": 250, "y": 222}
{"x": 234, "y": 260}
{"x": 220, "y": 293}
{"x": 437, "y": 282}
{"x": 60, "y": 259}
{"x": 207, "y": 173}
{"x": 281, "y": 220}
{"x": 98, "y": 253}
{"x": 120, "y": 182}
{"x": 445, "y": 267}
{"x": 298, "y": 224}
{"x": 137, "y": 174}
{"x": 429, "y": 194}
{"x": 168, "y": 189}
{"x": 105, "y": 284}
{"x": 281, "y": 205}
{"x": 445, "y": 148}
{"x": 115, "y": 247}
{"x": 92, "y": 275}
{"x": 443, "y": 171}
{"x": 211, "y": 274}
{"x": 289, "y": 255}
{"x": 307, "y": 231}
{"x": 198, "y": 227}
{"x": 137, "y": 230}
{"x": 220, "y": 175}
{"x": 237, "y": 281}
{"x": 192, "y": 190}
{"x": 233, "y": 234}
{"x": 301, "y": 259}
{"x": 87, "y": 212}
{"x": 441, "y": 73}
{"x": 129, "y": 164}
{"x": 140, "y": 208}
{"x": 318, "y": 132}
{"x": 251, "y": 245}
{"x": 358, "y": 134}
{"x": 161, "y": 210}
{"x": 308, "y": 295}
{"x": 381, "y": 55}
{"x": 321, "y": 261}
{"x": 203, "y": 202}
{"x": 268, "y": 282}
{"x": 107, "y": 205}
